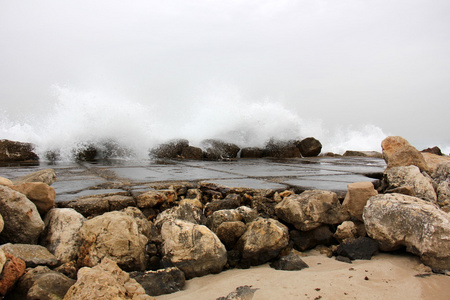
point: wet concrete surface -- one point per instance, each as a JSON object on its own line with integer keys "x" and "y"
{"x": 75, "y": 180}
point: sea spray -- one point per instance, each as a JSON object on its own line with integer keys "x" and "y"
{"x": 128, "y": 129}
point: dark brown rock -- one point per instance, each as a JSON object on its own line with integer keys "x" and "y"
{"x": 11, "y": 151}
{"x": 290, "y": 262}
{"x": 172, "y": 149}
{"x": 435, "y": 150}
{"x": 231, "y": 201}
{"x": 360, "y": 248}
{"x": 191, "y": 152}
{"x": 251, "y": 152}
{"x": 160, "y": 282}
{"x": 304, "y": 240}
{"x": 216, "y": 149}
{"x": 230, "y": 232}
{"x": 309, "y": 147}
{"x": 281, "y": 149}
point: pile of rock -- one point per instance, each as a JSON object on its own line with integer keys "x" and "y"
{"x": 149, "y": 242}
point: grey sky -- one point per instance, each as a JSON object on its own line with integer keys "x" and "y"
{"x": 347, "y": 62}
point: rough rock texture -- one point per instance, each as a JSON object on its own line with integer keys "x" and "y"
{"x": 62, "y": 233}
{"x": 251, "y": 152}
{"x": 193, "y": 248}
{"x": 281, "y": 149}
{"x": 304, "y": 240}
{"x": 216, "y": 149}
{"x": 23, "y": 223}
{"x": 398, "y": 152}
{"x": 229, "y": 202}
{"x": 311, "y": 209}
{"x": 13, "y": 269}
{"x": 193, "y": 153}
{"x": 172, "y": 149}
{"x": 97, "y": 205}
{"x": 32, "y": 255}
{"x": 105, "y": 281}
{"x": 422, "y": 186}
{"x": 11, "y": 151}
{"x": 443, "y": 194}
{"x": 47, "y": 176}
{"x": 160, "y": 282}
{"x": 186, "y": 212}
{"x": 240, "y": 293}
{"x": 438, "y": 166}
{"x": 357, "y": 195}
{"x": 309, "y": 147}
{"x": 435, "y": 150}
{"x": 113, "y": 235}
{"x": 264, "y": 206}
{"x": 41, "y": 194}
{"x": 6, "y": 181}
{"x": 230, "y": 232}
{"x": 256, "y": 250}
{"x": 153, "y": 198}
{"x": 225, "y": 215}
{"x": 375, "y": 154}
{"x": 290, "y": 262}
{"x": 360, "y": 248}
{"x": 347, "y": 230}
{"x": 396, "y": 220}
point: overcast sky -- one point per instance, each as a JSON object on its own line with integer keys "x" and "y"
{"x": 379, "y": 62}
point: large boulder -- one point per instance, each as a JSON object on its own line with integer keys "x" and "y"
{"x": 47, "y": 176}
{"x": 193, "y": 248}
{"x": 13, "y": 269}
{"x": 186, "y": 212}
{"x": 114, "y": 235}
{"x": 304, "y": 240}
{"x": 230, "y": 232}
{"x": 359, "y": 248}
{"x": 32, "y": 255}
{"x": 160, "y": 282}
{"x": 224, "y": 215}
{"x": 41, "y": 194}
{"x": 251, "y": 152}
{"x": 281, "y": 149}
{"x": 410, "y": 176}
{"x": 357, "y": 195}
{"x": 217, "y": 149}
{"x": 62, "y": 233}
{"x": 105, "y": 281}
{"x": 171, "y": 149}
{"x": 311, "y": 209}
{"x": 23, "y": 224}
{"x": 398, "y": 152}
{"x": 99, "y": 204}
{"x": 263, "y": 240}
{"x": 11, "y": 151}
{"x": 396, "y": 221}
{"x": 309, "y": 147}
{"x": 193, "y": 153}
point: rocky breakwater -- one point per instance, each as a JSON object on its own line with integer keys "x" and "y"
{"x": 149, "y": 242}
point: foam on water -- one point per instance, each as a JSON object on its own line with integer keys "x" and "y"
{"x": 75, "y": 119}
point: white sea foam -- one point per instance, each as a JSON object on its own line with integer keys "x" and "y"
{"x": 75, "y": 119}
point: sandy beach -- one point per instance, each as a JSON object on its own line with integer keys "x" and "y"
{"x": 386, "y": 276}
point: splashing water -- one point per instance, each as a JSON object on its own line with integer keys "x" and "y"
{"x": 77, "y": 119}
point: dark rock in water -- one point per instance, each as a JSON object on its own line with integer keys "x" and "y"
{"x": 191, "y": 152}
{"x": 309, "y": 147}
{"x": 230, "y": 201}
{"x": 360, "y": 248}
{"x": 435, "y": 150}
{"x": 11, "y": 151}
{"x": 251, "y": 152}
{"x": 172, "y": 149}
{"x": 363, "y": 153}
{"x": 281, "y": 149}
{"x": 216, "y": 149}
{"x": 241, "y": 293}
{"x": 304, "y": 240}
{"x": 160, "y": 282}
{"x": 290, "y": 262}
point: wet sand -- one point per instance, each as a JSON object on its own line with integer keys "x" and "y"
{"x": 386, "y": 276}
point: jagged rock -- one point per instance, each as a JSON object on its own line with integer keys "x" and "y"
{"x": 61, "y": 235}
{"x": 193, "y": 248}
{"x": 397, "y": 177}
{"x": 263, "y": 241}
{"x": 113, "y": 235}
{"x": 41, "y": 283}
{"x": 70, "y": 269}
{"x": 438, "y": 166}
{"x": 32, "y": 255}
{"x": 281, "y": 149}
{"x": 153, "y": 198}
{"x": 375, "y": 154}
{"x": 191, "y": 152}
{"x": 229, "y": 202}
{"x": 264, "y": 206}
{"x": 359, "y": 248}
{"x": 160, "y": 282}
{"x": 290, "y": 262}
{"x": 186, "y": 212}
{"x": 144, "y": 226}
{"x": 396, "y": 220}
{"x": 398, "y": 152}
{"x": 11, "y": 151}
{"x": 347, "y": 230}
{"x": 225, "y": 215}
{"x": 241, "y": 293}
{"x": 311, "y": 209}
{"x": 13, "y": 269}
{"x": 434, "y": 150}
{"x": 443, "y": 194}
{"x": 41, "y": 194}
{"x": 105, "y": 281}
{"x": 304, "y": 240}
{"x": 172, "y": 149}
{"x": 309, "y": 147}
{"x": 251, "y": 152}
{"x": 98, "y": 205}
{"x": 357, "y": 195}
{"x": 47, "y": 176}
{"x": 6, "y": 181}
{"x": 23, "y": 223}
{"x": 216, "y": 149}
{"x": 248, "y": 214}
{"x": 230, "y": 232}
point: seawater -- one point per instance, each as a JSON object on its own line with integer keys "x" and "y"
{"x": 74, "y": 119}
